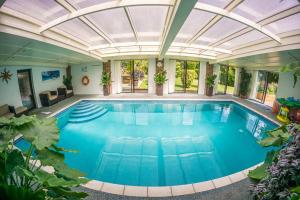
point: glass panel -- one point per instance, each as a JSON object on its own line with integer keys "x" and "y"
{"x": 112, "y": 21}
{"x": 41, "y": 10}
{"x": 226, "y": 80}
{"x": 287, "y": 24}
{"x": 192, "y": 76}
{"x": 126, "y": 75}
{"x": 259, "y": 9}
{"x": 195, "y": 22}
{"x": 179, "y": 75}
{"x": 224, "y": 27}
{"x": 140, "y": 76}
{"x": 25, "y": 86}
{"x": 187, "y": 76}
{"x": 85, "y": 33}
{"x": 261, "y": 84}
{"x": 271, "y": 89}
{"x": 218, "y": 3}
{"x": 86, "y": 3}
{"x": 148, "y": 18}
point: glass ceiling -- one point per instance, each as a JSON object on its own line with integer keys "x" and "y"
{"x": 139, "y": 26}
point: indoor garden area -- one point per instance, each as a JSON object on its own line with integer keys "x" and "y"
{"x": 149, "y": 99}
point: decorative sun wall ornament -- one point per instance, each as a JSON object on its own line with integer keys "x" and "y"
{"x": 5, "y": 75}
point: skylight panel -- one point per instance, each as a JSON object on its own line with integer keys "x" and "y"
{"x": 221, "y": 29}
{"x": 287, "y": 24}
{"x": 80, "y": 30}
{"x": 42, "y": 10}
{"x": 86, "y": 3}
{"x": 195, "y": 22}
{"x": 257, "y": 10}
{"x": 148, "y": 18}
{"x": 149, "y": 48}
{"x": 244, "y": 39}
{"x": 217, "y": 3}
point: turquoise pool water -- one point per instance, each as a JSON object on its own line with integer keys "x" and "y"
{"x": 155, "y": 143}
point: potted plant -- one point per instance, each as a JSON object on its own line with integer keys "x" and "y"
{"x": 106, "y": 82}
{"x": 210, "y": 82}
{"x": 160, "y": 78}
{"x": 244, "y": 83}
{"x": 67, "y": 81}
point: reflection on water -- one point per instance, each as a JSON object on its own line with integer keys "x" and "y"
{"x": 153, "y": 144}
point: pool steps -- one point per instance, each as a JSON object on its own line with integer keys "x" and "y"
{"x": 85, "y": 112}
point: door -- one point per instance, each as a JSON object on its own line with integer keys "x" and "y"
{"x": 134, "y": 76}
{"x": 267, "y": 83}
{"x": 226, "y": 80}
{"x": 26, "y": 88}
{"x": 187, "y": 76}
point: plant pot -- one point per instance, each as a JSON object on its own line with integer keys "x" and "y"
{"x": 259, "y": 95}
{"x": 106, "y": 90}
{"x": 243, "y": 96}
{"x": 209, "y": 91}
{"x": 159, "y": 90}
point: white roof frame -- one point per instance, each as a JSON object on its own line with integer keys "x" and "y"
{"x": 102, "y": 7}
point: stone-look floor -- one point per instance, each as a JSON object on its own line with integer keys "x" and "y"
{"x": 235, "y": 191}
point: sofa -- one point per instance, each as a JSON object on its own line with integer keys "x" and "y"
{"x": 22, "y": 110}
{"x": 64, "y": 92}
{"x": 5, "y": 111}
{"x": 48, "y": 98}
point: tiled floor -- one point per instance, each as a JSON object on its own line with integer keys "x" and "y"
{"x": 236, "y": 191}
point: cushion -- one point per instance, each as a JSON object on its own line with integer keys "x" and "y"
{"x": 9, "y": 115}
{"x": 20, "y": 109}
{"x": 69, "y": 91}
{"x": 52, "y": 97}
{"x": 4, "y": 109}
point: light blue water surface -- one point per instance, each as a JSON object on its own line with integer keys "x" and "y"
{"x": 155, "y": 143}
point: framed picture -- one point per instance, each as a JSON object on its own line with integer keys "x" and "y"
{"x": 50, "y": 75}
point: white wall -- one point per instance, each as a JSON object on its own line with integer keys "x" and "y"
{"x": 166, "y": 67}
{"x": 10, "y": 93}
{"x": 202, "y": 75}
{"x": 216, "y": 71}
{"x": 151, "y": 72}
{"x": 93, "y": 72}
{"x": 171, "y": 75}
{"x": 285, "y": 86}
{"x": 116, "y": 77}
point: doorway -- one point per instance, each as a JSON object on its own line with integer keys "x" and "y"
{"x": 226, "y": 80}
{"x": 267, "y": 83}
{"x": 134, "y": 75}
{"x": 187, "y": 76}
{"x": 26, "y": 88}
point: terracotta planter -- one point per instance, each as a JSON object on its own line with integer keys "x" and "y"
{"x": 209, "y": 91}
{"x": 106, "y": 90}
{"x": 243, "y": 96}
{"x": 259, "y": 95}
{"x": 159, "y": 90}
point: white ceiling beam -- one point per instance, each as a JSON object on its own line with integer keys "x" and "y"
{"x": 180, "y": 12}
{"x": 286, "y": 13}
{"x": 205, "y": 47}
{"x": 128, "y": 15}
{"x": 236, "y": 17}
{"x": 102, "y": 7}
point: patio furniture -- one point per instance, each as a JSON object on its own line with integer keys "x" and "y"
{"x": 21, "y": 110}
{"x": 6, "y": 112}
{"x": 62, "y": 91}
{"x": 48, "y": 98}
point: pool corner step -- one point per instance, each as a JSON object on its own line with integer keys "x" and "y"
{"x": 88, "y": 118}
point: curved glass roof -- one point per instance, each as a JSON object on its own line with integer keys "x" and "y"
{"x": 211, "y": 29}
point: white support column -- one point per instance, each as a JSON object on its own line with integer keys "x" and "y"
{"x": 116, "y": 76}
{"x": 166, "y": 67}
{"x": 171, "y": 75}
{"x": 151, "y": 72}
{"x": 201, "y": 82}
{"x": 237, "y": 81}
{"x": 216, "y": 72}
{"x": 253, "y": 84}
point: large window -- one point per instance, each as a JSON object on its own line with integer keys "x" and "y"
{"x": 226, "y": 80}
{"x": 266, "y": 89}
{"x": 134, "y": 76}
{"x": 187, "y": 76}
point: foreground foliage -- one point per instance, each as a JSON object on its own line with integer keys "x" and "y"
{"x": 279, "y": 176}
{"x": 22, "y": 174}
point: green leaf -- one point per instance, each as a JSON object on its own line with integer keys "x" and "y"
{"x": 271, "y": 141}
{"x": 260, "y": 172}
{"x": 12, "y": 192}
{"x": 14, "y": 159}
{"x": 295, "y": 189}
{"x": 56, "y": 192}
{"x": 42, "y": 133}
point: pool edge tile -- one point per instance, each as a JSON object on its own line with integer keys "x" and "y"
{"x": 113, "y": 188}
{"x": 220, "y": 182}
{"x": 135, "y": 191}
{"x": 236, "y": 177}
{"x": 182, "y": 189}
{"x": 164, "y": 191}
{"x": 203, "y": 186}
{"x": 93, "y": 185}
